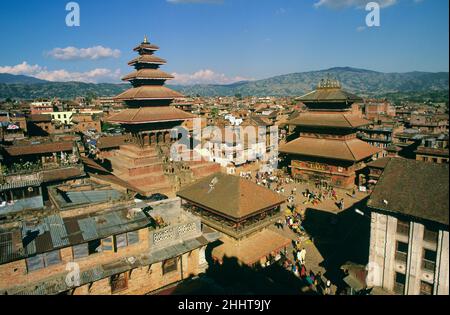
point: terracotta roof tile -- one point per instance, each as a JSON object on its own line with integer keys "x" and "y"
{"x": 111, "y": 141}
{"x": 150, "y": 114}
{"x": 339, "y": 120}
{"x": 148, "y": 74}
{"x": 349, "y": 150}
{"x": 149, "y": 59}
{"x": 148, "y": 92}
{"x": 42, "y": 148}
{"x": 330, "y": 96}
{"x": 413, "y": 188}
{"x": 232, "y": 196}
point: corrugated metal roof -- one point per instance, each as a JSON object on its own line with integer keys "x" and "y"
{"x": 57, "y": 230}
{"x": 21, "y": 184}
{"x": 88, "y": 228}
{"x": 93, "y": 196}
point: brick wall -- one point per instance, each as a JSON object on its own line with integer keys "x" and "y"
{"x": 141, "y": 280}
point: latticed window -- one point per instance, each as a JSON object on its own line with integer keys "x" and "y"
{"x": 426, "y": 288}
{"x": 429, "y": 260}
{"x": 399, "y": 283}
{"x": 430, "y": 235}
{"x": 402, "y": 227}
{"x": 401, "y": 251}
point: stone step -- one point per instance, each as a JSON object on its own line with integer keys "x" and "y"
{"x": 128, "y": 168}
{"x": 203, "y": 169}
{"x": 135, "y": 150}
{"x": 136, "y": 161}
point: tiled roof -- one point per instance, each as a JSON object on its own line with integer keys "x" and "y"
{"x": 232, "y": 196}
{"x": 146, "y": 46}
{"x": 42, "y": 148}
{"x": 149, "y": 114}
{"x": 148, "y": 74}
{"x": 37, "y": 118}
{"x": 432, "y": 151}
{"x": 148, "y": 92}
{"x": 62, "y": 174}
{"x": 349, "y": 150}
{"x": 330, "y": 95}
{"x": 150, "y": 59}
{"x": 111, "y": 141}
{"x": 337, "y": 120}
{"x": 379, "y": 163}
{"x": 413, "y": 188}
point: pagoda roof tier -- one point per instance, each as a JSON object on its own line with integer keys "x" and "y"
{"x": 146, "y": 46}
{"x": 147, "y": 59}
{"x": 151, "y": 114}
{"x": 148, "y": 74}
{"x": 148, "y": 92}
{"x": 353, "y": 150}
{"x": 332, "y": 120}
{"x": 231, "y": 196}
{"x": 330, "y": 95}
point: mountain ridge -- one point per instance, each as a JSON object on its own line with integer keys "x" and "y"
{"x": 361, "y": 81}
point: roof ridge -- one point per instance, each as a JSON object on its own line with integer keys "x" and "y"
{"x": 345, "y": 117}
{"x": 351, "y": 152}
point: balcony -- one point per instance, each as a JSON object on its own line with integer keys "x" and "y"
{"x": 230, "y": 228}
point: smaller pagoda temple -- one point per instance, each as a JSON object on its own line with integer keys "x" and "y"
{"x": 327, "y": 149}
{"x": 242, "y": 211}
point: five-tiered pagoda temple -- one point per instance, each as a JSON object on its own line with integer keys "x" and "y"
{"x": 327, "y": 149}
{"x": 149, "y": 116}
{"x": 150, "y": 120}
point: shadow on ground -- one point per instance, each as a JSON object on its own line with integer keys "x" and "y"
{"x": 232, "y": 278}
{"x": 340, "y": 238}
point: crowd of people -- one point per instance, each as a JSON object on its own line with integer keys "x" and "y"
{"x": 314, "y": 281}
{"x": 323, "y": 191}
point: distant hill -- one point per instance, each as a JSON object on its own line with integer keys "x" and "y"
{"x": 6, "y": 78}
{"x": 360, "y": 81}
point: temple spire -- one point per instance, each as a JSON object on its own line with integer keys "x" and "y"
{"x": 145, "y": 39}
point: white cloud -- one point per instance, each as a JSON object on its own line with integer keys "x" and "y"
{"x": 341, "y": 4}
{"x": 91, "y": 76}
{"x": 92, "y": 53}
{"x": 205, "y": 77}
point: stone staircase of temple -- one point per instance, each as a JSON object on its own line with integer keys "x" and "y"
{"x": 151, "y": 170}
{"x": 186, "y": 171}
{"x": 142, "y": 168}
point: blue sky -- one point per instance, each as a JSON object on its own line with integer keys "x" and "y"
{"x": 221, "y": 41}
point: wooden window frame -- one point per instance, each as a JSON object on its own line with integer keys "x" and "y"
{"x": 170, "y": 269}
{"x": 119, "y": 282}
{"x": 427, "y": 264}
{"x": 425, "y": 292}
